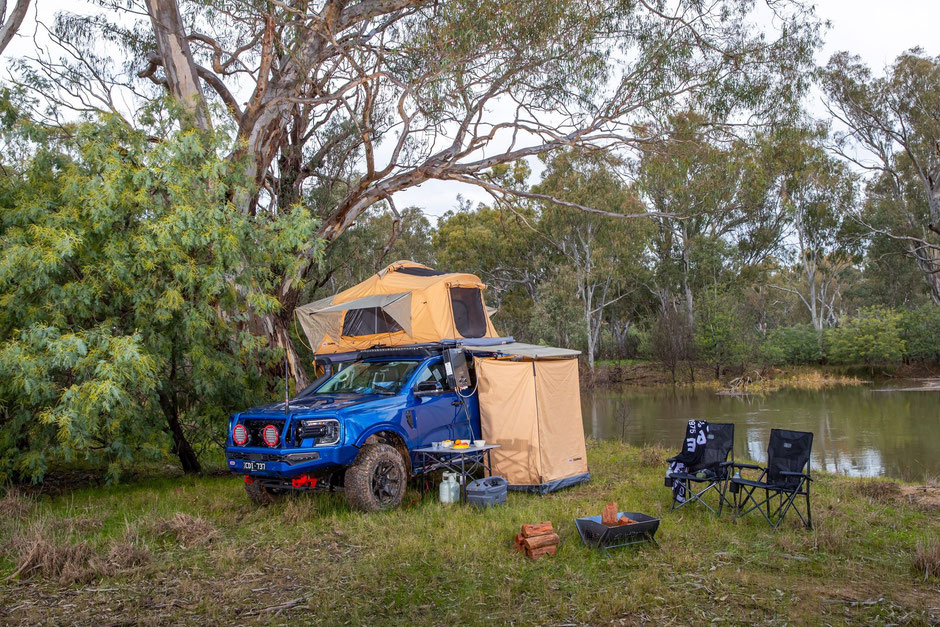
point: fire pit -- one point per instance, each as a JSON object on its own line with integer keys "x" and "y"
{"x": 595, "y": 533}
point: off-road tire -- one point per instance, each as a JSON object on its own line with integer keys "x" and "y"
{"x": 377, "y": 480}
{"x": 260, "y": 495}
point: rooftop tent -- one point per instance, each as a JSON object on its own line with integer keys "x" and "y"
{"x": 405, "y": 303}
{"x": 530, "y": 405}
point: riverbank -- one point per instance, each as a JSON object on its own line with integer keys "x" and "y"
{"x": 640, "y": 373}
{"x": 193, "y": 550}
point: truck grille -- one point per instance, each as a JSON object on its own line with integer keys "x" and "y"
{"x": 255, "y": 427}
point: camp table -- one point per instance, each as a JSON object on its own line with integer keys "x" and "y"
{"x": 462, "y": 461}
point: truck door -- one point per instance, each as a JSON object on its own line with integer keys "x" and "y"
{"x": 435, "y": 414}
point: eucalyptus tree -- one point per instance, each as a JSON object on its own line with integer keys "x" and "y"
{"x": 11, "y": 22}
{"x": 817, "y": 195}
{"x": 714, "y": 215}
{"x": 889, "y": 126}
{"x": 605, "y": 256}
{"x": 353, "y": 101}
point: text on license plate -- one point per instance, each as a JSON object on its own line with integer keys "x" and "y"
{"x": 252, "y": 465}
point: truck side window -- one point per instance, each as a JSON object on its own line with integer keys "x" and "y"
{"x": 435, "y": 372}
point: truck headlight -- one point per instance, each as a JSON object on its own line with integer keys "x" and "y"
{"x": 324, "y": 431}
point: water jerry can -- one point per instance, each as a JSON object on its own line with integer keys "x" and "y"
{"x": 449, "y": 488}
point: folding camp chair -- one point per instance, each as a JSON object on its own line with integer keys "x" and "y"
{"x": 713, "y": 469}
{"x": 788, "y": 453}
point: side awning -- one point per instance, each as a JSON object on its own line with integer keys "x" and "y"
{"x": 528, "y": 351}
{"x": 322, "y": 317}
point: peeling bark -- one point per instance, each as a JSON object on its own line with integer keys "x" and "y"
{"x": 9, "y": 24}
{"x": 182, "y": 76}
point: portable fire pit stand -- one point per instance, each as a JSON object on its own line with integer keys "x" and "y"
{"x": 596, "y": 534}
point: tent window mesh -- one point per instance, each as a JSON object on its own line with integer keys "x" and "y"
{"x": 469, "y": 315}
{"x": 419, "y": 271}
{"x": 369, "y": 321}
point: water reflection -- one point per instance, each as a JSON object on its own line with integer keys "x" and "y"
{"x": 859, "y": 431}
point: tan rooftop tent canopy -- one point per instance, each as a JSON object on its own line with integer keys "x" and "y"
{"x": 405, "y": 303}
{"x": 530, "y": 405}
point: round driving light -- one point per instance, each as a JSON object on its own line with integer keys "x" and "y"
{"x": 270, "y": 435}
{"x": 240, "y": 435}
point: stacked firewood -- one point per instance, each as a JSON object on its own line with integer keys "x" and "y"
{"x": 537, "y": 540}
{"x": 609, "y": 517}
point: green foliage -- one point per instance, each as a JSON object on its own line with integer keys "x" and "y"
{"x": 920, "y": 330}
{"x": 722, "y": 330}
{"x": 127, "y": 279}
{"x": 557, "y": 317}
{"x": 874, "y": 336}
{"x": 797, "y": 344}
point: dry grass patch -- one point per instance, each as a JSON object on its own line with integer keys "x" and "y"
{"x": 884, "y": 492}
{"x": 926, "y": 559}
{"x": 15, "y": 505}
{"x": 653, "y": 457}
{"x": 36, "y": 554}
{"x": 186, "y": 529}
{"x": 63, "y": 561}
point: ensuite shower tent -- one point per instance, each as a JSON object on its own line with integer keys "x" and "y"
{"x": 530, "y": 405}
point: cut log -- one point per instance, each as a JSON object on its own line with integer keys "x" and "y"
{"x": 537, "y": 530}
{"x": 518, "y": 542}
{"x": 537, "y": 542}
{"x": 545, "y": 550}
{"x": 609, "y": 517}
{"x": 623, "y": 520}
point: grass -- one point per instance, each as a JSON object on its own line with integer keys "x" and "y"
{"x": 193, "y": 550}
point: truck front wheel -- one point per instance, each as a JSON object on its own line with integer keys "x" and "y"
{"x": 260, "y": 495}
{"x": 377, "y": 480}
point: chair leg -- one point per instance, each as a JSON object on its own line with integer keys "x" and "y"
{"x": 809, "y": 509}
{"x": 724, "y": 489}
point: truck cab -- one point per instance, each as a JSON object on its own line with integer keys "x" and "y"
{"x": 355, "y": 429}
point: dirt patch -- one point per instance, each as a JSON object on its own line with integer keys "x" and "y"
{"x": 186, "y": 529}
{"x": 927, "y": 497}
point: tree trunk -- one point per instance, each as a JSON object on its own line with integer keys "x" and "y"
{"x": 276, "y": 330}
{"x": 11, "y": 24}
{"x": 686, "y": 268}
{"x": 178, "y": 64}
{"x": 181, "y": 446}
{"x": 930, "y": 267}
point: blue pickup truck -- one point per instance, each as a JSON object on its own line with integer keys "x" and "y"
{"x": 354, "y": 430}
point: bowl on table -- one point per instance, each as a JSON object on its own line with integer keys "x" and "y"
{"x": 447, "y": 443}
{"x": 479, "y": 443}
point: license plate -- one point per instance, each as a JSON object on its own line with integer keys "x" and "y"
{"x": 252, "y": 465}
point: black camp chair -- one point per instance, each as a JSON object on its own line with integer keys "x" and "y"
{"x": 714, "y": 466}
{"x": 788, "y": 453}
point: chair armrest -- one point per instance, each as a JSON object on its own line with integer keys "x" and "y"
{"x": 671, "y": 459}
{"x": 787, "y": 473}
{"x": 751, "y": 466}
{"x": 724, "y": 464}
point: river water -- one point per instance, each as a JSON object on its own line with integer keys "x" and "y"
{"x": 874, "y": 430}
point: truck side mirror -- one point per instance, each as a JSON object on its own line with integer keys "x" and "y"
{"x": 426, "y": 388}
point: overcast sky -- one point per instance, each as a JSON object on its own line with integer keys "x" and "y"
{"x": 874, "y": 29}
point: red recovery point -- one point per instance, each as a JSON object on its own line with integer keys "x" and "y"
{"x": 303, "y": 481}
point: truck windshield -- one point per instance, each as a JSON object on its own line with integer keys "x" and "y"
{"x": 370, "y": 377}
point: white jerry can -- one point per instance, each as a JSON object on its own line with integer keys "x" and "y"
{"x": 449, "y": 488}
